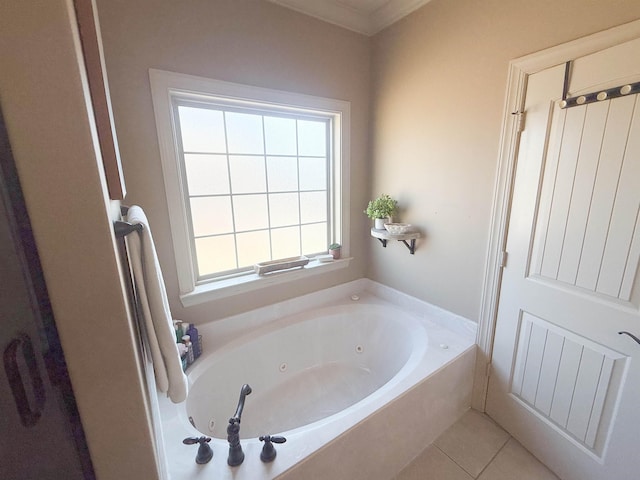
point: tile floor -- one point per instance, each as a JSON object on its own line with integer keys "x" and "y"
{"x": 475, "y": 448}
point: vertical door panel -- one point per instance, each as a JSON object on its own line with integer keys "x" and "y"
{"x": 563, "y": 382}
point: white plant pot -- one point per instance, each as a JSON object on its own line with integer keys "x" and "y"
{"x": 379, "y": 223}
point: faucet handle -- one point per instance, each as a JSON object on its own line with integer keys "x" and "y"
{"x": 204, "y": 451}
{"x": 273, "y": 439}
{"x": 268, "y": 453}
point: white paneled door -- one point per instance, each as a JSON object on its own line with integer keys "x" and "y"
{"x": 564, "y": 381}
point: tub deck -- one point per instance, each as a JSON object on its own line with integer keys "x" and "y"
{"x": 356, "y": 442}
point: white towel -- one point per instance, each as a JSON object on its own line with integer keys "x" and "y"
{"x": 155, "y": 312}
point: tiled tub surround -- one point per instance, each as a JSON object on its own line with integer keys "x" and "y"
{"x": 414, "y": 401}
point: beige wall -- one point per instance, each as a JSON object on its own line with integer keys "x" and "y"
{"x": 244, "y": 41}
{"x": 439, "y": 83}
{"x": 439, "y": 80}
{"x": 51, "y": 131}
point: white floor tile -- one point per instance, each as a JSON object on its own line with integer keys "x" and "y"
{"x": 432, "y": 464}
{"x": 472, "y": 442}
{"x": 476, "y": 448}
{"x": 515, "y": 462}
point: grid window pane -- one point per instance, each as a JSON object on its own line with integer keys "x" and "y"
{"x": 215, "y": 254}
{"x": 314, "y": 238}
{"x": 244, "y": 133}
{"x": 253, "y": 247}
{"x": 285, "y": 242}
{"x": 282, "y": 173}
{"x": 313, "y": 207}
{"x": 284, "y": 210}
{"x": 247, "y": 174}
{"x": 207, "y": 174}
{"x": 280, "y": 136}
{"x": 202, "y": 130}
{"x": 250, "y": 212}
{"x": 312, "y": 138}
{"x": 313, "y": 173}
{"x": 211, "y": 216}
{"x": 257, "y": 184}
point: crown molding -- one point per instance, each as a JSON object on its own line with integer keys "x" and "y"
{"x": 361, "y": 20}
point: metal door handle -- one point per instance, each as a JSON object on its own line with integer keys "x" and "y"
{"x": 637, "y": 340}
{"x": 28, "y": 416}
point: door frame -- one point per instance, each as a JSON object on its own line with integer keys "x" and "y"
{"x": 519, "y": 71}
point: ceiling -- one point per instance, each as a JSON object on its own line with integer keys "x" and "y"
{"x": 363, "y": 16}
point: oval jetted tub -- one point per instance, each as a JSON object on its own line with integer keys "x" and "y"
{"x": 305, "y": 371}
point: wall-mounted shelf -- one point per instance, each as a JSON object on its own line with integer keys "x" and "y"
{"x": 383, "y": 236}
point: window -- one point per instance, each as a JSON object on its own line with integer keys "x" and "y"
{"x": 251, "y": 175}
{"x": 256, "y": 183}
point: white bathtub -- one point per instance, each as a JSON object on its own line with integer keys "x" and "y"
{"x": 328, "y": 377}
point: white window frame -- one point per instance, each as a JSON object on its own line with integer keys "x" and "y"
{"x": 165, "y": 86}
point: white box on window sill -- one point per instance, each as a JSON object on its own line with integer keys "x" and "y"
{"x": 282, "y": 264}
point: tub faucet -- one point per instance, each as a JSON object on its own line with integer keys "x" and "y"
{"x": 204, "y": 450}
{"x": 236, "y": 455}
{"x": 268, "y": 453}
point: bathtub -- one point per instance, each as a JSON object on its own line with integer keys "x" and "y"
{"x": 359, "y": 384}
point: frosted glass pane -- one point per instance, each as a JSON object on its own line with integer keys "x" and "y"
{"x": 211, "y": 215}
{"x": 312, "y": 138}
{"x": 207, "y": 174}
{"x": 313, "y": 174}
{"x": 280, "y": 136}
{"x": 282, "y": 173}
{"x": 314, "y": 238}
{"x": 250, "y": 212}
{"x": 313, "y": 207}
{"x": 283, "y": 208}
{"x": 244, "y": 133}
{"x": 202, "y": 130}
{"x": 215, "y": 254}
{"x": 247, "y": 174}
{"x": 253, "y": 247}
{"x": 285, "y": 242}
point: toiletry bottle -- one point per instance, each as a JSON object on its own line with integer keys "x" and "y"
{"x": 182, "y": 350}
{"x": 190, "y": 357}
{"x": 186, "y": 339}
{"x": 189, "y": 329}
{"x": 185, "y": 331}
{"x": 179, "y": 331}
{"x": 192, "y": 331}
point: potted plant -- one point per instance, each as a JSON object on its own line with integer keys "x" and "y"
{"x": 381, "y": 209}
{"x": 334, "y": 250}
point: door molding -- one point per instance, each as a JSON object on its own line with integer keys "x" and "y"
{"x": 519, "y": 71}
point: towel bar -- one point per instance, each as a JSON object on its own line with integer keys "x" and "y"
{"x": 122, "y": 229}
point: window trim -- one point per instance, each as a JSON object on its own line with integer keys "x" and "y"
{"x": 167, "y": 85}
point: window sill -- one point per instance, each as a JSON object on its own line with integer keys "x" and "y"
{"x": 251, "y": 282}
